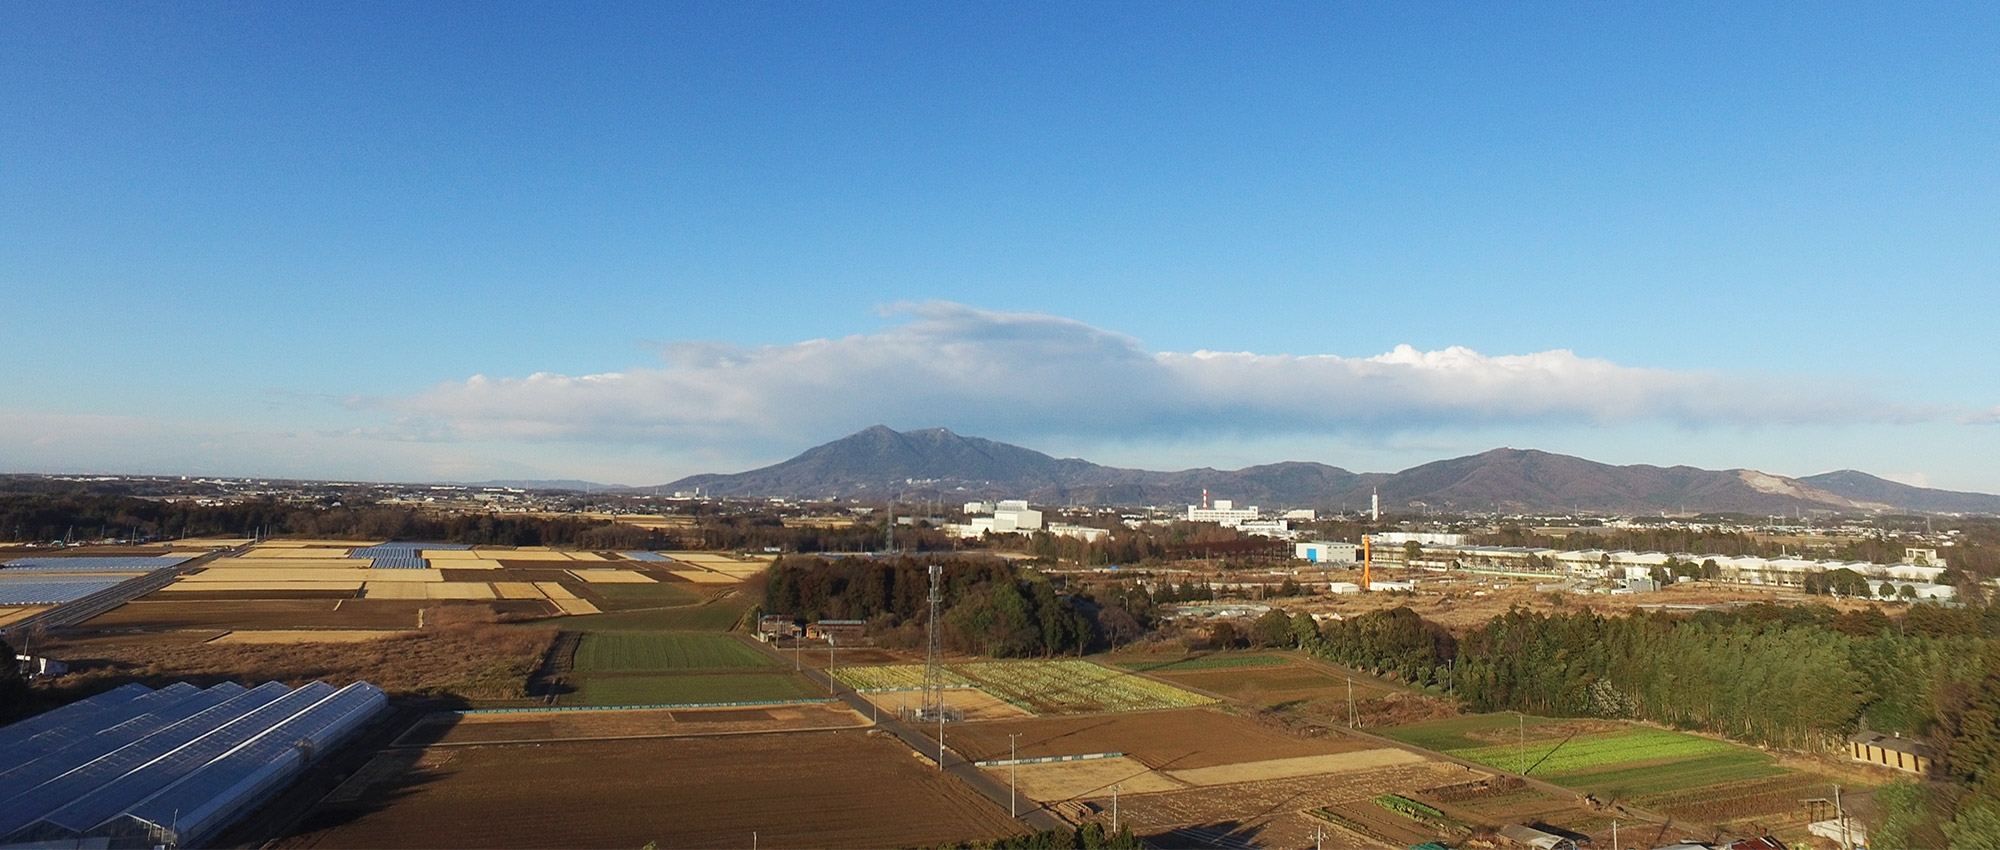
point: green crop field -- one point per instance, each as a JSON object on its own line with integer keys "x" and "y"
{"x": 1585, "y": 752}
{"x": 622, "y": 597}
{"x": 1206, "y": 662}
{"x": 1070, "y": 686}
{"x": 624, "y": 651}
{"x": 690, "y": 688}
{"x": 1734, "y": 766}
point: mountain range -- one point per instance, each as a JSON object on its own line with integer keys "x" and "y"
{"x": 935, "y": 463}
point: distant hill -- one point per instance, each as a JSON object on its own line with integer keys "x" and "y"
{"x": 1865, "y": 487}
{"x": 543, "y": 484}
{"x": 936, "y": 463}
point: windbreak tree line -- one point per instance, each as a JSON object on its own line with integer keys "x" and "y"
{"x": 40, "y": 517}
{"x": 988, "y": 607}
{"x": 1797, "y": 677}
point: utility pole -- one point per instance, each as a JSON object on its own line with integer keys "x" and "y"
{"x": 1013, "y": 764}
{"x": 1350, "y": 702}
{"x": 1614, "y": 834}
{"x": 1523, "y": 720}
{"x": 1114, "y": 807}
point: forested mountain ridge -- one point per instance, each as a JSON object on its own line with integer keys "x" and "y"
{"x": 934, "y": 463}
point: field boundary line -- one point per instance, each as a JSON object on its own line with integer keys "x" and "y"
{"x": 1001, "y": 763}
{"x": 649, "y": 707}
{"x": 726, "y": 733}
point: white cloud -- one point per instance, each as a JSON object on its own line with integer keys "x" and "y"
{"x": 1012, "y": 374}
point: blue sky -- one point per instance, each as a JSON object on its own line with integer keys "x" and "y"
{"x": 337, "y": 240}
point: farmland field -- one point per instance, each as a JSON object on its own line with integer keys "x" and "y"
{"x": 639, "y": 651}
{"x": 1164, "y": 740}
{"x": 1206, "y": 662}
{"x": 1273, "y": 685}
{"x": 619, "y": 597}
{"x": 1611, "y": 760}
{"x": 448, "y": 728}
{"x": 718, "y": 616}
{"x": 890, "y": 676}
{"x": 1592, "y": 751}
{"x": 1073, "y": 687}
{"x": 692, "y": 688}
{"x": 676, "y": 792}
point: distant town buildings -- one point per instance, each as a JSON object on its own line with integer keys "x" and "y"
{"x": 1007, "y": 516}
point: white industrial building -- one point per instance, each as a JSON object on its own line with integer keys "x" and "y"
{"x": 1085, "y": 533}
{"x": 1325, "y": 552}
{"x": 1008, "y": 516}
{"x": 1223, "y": 511}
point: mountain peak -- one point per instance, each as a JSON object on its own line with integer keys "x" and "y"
{"x": 880, "y": 462}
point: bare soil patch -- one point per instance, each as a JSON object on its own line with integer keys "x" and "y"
{"x": 658, "y": 723}
{"x": 1181, "y": 739}
{"x": 677, "y": 792}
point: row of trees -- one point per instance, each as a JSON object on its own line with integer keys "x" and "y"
{"x": 1799, "y": 677}
{"x": 989, "y": 609}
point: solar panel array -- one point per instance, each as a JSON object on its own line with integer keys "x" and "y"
{"x": 645, "y": 556}
{"x": 169, "y": 766}
{"x": 93, "y": 565}
{"x": 399, "y": 562}
{"x": 35, "y": 589}
{"x": 400, "y": 556}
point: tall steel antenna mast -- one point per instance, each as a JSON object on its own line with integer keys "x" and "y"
{"x": 933, "y": 656}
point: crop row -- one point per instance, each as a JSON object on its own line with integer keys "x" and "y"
{"x": 1590, "y": 751}
{"x": 1071, "y": 686}
{"x": 890, "y": 677}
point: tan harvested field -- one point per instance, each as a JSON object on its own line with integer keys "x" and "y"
{"x": 240, "y": 564}
{"x": 395, "y": 590}
{"x": 9, "y": 615}
{"x": 1068, "y": 780}
{"x": 702, "y": 577}
{"x": 458, "y": 590}
{"x": 307, "y": 636}
{"x": 212, "y": 542}
{"x": 402, "y": 575}
{"x": 254, "y": 586}
{"x": 576, "y": 607}
{"x": 1180, "y": 739}
{"x": 320, "y": 544}
{"x": 641, "y": 723}
{"x": 1288, "y": 768}
{"x": 554, "y": 590}
{"x": 586, "y": 556}
{"x": 977, "y": 704}
{"x": 517, "y": 590}
{"x": 674, "y": 792}
{"x": 277, "y": 575}
{"x": 521, "y": 555}
{"x": 288, "y": 553}
{"x": 464, "y": 564}
{"x": 450, "y": 555}
{"x": 613, "y": 577}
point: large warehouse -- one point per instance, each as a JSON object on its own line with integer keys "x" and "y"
{"x": 136, "y": 767}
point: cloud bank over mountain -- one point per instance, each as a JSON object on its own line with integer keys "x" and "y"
{"x": 1021, "y": 373}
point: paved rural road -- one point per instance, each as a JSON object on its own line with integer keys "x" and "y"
{"x": 925, "y": 744}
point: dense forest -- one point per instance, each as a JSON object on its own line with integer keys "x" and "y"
{"x": 989, "y": 607}
{"x": 57, "y": 517}
{"x": 1798, "y": 677}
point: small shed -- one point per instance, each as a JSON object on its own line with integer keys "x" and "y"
{"x": 841, "y": 632}
{"x": 1891, "y": 751}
